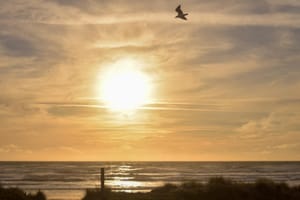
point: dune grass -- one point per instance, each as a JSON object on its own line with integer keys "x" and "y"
{"x": 18, "y": 194}
{"x": 216, "y": 189}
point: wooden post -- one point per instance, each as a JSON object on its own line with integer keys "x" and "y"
{"x": 102, "y": 179}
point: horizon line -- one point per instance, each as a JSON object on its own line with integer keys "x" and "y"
{"x": 149, "y": 161}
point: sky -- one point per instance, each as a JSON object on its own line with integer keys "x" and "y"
{"x": 225, "y": 83}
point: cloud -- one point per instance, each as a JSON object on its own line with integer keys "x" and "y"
{"x": 12, "y": 148}
{"x": 229, "y": 6}
{"x": 15, "y": 46}
{"x": 72, "y": 111}
{"x": 230, "y": 71}
{"x": 287, "y": 8}
{"x": 276, "y": 123}
{"x": 234, "y": 12}
{"x": 15, "y": 107}
{"x": 70, "y": 149}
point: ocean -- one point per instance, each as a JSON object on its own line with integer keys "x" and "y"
{"x": 69, "y": 180}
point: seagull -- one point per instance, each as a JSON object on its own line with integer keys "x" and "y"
{"x": 180, "y": 14}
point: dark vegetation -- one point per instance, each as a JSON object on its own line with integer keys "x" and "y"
{"x": 18, "y": 194}
{"x": 215, "y": 189}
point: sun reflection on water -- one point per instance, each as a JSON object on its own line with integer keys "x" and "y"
{"x": 125, "y": 185}
{"x": 123, "y": 180}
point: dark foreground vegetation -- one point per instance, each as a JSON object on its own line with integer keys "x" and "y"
{"x": 215, "y": 189}
{"x": 18, "y": 194}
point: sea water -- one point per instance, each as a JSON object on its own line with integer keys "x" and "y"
{"x": 69, "y": 180}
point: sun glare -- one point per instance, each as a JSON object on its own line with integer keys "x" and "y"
{"x": 124, "y": 87}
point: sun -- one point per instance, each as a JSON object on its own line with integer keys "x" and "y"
{"x": 124, "y": 87}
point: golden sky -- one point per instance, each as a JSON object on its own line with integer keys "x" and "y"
{"x": 225, "y": 84}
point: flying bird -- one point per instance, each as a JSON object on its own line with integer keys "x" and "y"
{"x": 180, "y": 14}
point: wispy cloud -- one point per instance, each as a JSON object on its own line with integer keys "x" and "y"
{"x": 12, "y": 148}
{"x": 230, "y": 71}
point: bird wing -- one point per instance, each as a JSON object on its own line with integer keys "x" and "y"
{"x": 183, "y": 17}
{"x": 178, "y": 9}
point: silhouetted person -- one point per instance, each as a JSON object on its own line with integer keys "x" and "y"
{"x": 180, "y": 14}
